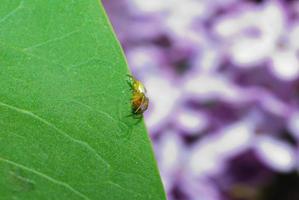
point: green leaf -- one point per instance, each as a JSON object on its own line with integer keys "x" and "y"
{"x": 65, "y": 125}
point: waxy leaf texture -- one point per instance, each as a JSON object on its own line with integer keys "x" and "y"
{"x": 65, "y": 125}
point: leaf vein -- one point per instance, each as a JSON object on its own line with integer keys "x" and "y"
{"x": 26, "y": 53}
{"x": 11, "y": 13}
{"x": 122, "y": 188}
{"x": 47, "y": 177}
{"x": 52, "y": 40}
{"x": 100, "y": 112}
{"x": 49, "y": 124}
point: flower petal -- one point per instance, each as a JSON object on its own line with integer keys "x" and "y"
{"x": 276, "y": 154}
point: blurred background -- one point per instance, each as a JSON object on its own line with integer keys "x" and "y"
{"x": 223, "y": 81}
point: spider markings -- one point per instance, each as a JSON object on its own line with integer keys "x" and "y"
{"x": 139, "y": 99}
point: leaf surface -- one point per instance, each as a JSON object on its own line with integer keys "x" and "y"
{"x": 65, "y": 129}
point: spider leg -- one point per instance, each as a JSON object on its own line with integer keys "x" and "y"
{"x": 139, "y": 119}
{"x": 142, "y": 101}
{"x": 130, "y": 76}
{"x": 130, "y": 84}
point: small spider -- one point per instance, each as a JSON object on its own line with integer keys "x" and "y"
{"x": 140, "y": 100}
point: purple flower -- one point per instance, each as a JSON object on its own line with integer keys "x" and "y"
{"x": 222, "y": 77}
{"x": 276, "y": 154}
{"x": 257, "y": 35}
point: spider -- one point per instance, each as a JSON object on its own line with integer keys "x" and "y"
{"x": 139, "y": 100}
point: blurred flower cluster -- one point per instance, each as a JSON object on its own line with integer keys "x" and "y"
{"x": 223, "y": 81}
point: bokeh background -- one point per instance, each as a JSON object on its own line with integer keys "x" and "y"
{"x": 223, "y": 81}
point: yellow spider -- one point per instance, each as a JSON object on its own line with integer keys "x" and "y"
{"x": 140, "y": 100}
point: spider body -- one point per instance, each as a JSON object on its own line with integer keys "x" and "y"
{"x": 139, "y": 99}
